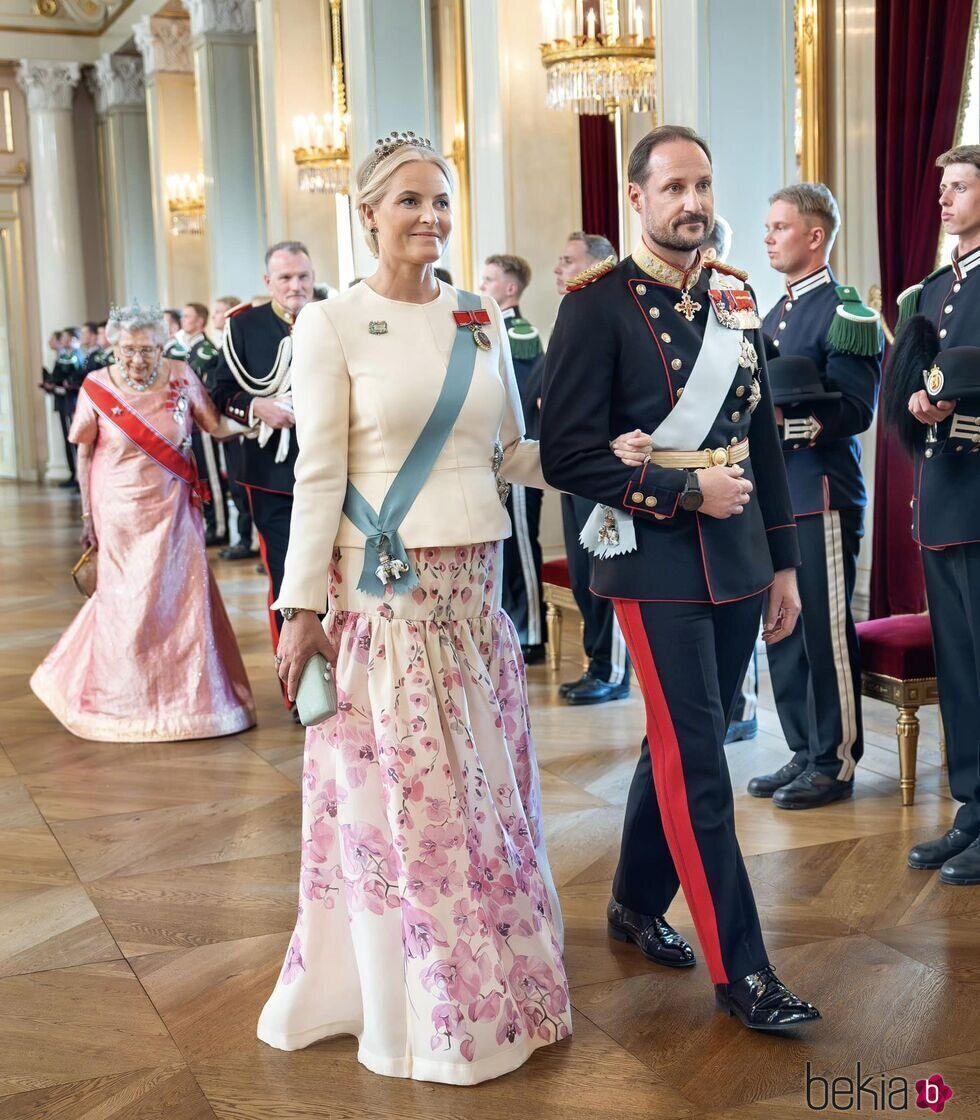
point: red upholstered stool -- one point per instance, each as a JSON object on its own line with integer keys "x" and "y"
{"x": 898, "y": 665}
{"x": 558, "y": 597}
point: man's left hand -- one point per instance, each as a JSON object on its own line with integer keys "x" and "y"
{"x": 784, "y": 607}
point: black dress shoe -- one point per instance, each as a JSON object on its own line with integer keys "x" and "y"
{"x": 811, "y": 790}
{"x": 591, "y": 690}
{"x": 238, "y": 552}
{"x": 764, "y": 1003}
{"x": 767, "y": 784}
{"x": 655, "y": 939}
{"x": 963, "y": 870}
{"x": 533, "y": 655}
{"x": 566, "y": 687}
{"x": 934, "y": 853}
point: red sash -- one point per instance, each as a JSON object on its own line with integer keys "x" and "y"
{"x": 157, "y": 447}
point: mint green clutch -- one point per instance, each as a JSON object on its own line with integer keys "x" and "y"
{"x": 316, "y": 697}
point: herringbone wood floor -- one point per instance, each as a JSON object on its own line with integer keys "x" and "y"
{"x": 146, "y": 894}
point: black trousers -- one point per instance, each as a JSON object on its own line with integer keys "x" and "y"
{"x": 953, "y": 592}
{"x": 690, "y": 659}
{"x": 816, "y": 672}
{"x": 603, "y": 638}
{"x": 66, "y": 413}
{"x": 271, "y": 512}
{"x": 208, "y": 468}
{"x": 234, "y": 455}
{"x": 521, "y": 591}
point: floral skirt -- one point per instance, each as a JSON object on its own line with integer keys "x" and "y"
{"x": 428, "y": 921}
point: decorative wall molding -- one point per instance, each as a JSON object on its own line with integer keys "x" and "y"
{"x": 116, "y": 81}
{"x": 216, "y": 17}
{"x": 165, "y": 45}
{"x": 48, "y": 85}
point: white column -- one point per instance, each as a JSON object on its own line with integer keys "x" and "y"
{"x": 226, "y": 70}
{"x": 117, "y": 85}
{"x": 49, "y": 87}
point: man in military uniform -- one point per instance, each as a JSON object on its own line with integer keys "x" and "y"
{"x": 63, "y": 383}
{"x": 505, "y": 278}
{"x": 816, "y": 672}
{"x": 607, "y": 676}
{"x": 252, "y": 386}
{"x": 946, "y": 500}
{"x": 692, "y": 526}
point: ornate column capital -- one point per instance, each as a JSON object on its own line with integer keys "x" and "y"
{"x": 210, "y": 17}
{"x": 48, "y": 85}
{"x": 165, "y": 45}
{"x": 115, "y": 81}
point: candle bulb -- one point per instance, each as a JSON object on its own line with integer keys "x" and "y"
{"x": 578, "y": 16}
{"x": 639, "y": 23}
{"x": 590, "y": 22}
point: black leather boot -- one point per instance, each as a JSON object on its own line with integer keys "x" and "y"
{"x": 655, "y": 939}
{"x": 931, "y": 854}
{"x": 762, "y": 1002}
{"x": 963, "y": 870}
{"x": 767, "y": 784}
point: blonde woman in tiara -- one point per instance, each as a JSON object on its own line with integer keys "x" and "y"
{"x": 428, "y": 921}
{"x": 151, "y": 656}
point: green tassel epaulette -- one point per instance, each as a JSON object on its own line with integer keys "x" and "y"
{"x": 203, "y": 356}
{"x": 525, "y": 342}
{"x": 908, "y": 304}
{"x": 856, "y": 328}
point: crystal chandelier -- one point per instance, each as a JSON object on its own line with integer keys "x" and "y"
{"x": 599, "y": 55}
{"x": 185, "y": 201}
{"x": 321, "y": 154}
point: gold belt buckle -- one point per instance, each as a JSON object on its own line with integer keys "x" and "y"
{"x": 719, "y": 457}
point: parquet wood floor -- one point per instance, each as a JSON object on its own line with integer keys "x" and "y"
{"x": 146, "y": 894}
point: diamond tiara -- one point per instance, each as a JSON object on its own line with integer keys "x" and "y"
{"x": 119, "y": 314}
{"x": 384, "y": 147}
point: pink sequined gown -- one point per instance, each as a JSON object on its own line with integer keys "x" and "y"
{"x": 151, "y": 657}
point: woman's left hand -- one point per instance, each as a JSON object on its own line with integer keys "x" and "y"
{"x": 632, "y": 447}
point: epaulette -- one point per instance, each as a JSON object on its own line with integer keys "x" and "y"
{"x": 206, "y": 351}
{"x": 525, "y": 342}
{"x": 908, "y": 301}
{"x": 591, "y": 274}
{"x": 855, "y": 328}
{"x": 728, "y": 270}
{"x": 238, "y": 309}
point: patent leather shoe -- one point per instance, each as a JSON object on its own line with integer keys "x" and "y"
{"x": 655, "y": 939}
{"x": 238, "y": 552}
{"x": 811, "y": 790}
{"x": 762, "y": 1002}
{"x": 741, "y": 730}
{"x": 592, "y": 690}
{"x": 931, "y": 854}
{"x": 963, "y": 870}
{"x": 566, "y": 686}
{"x": 767, "y": 784}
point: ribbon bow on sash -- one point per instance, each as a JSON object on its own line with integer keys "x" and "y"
{"x": 386, "y": 560}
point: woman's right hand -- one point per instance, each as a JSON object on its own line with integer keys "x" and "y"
{"x": 302, "y": 636}
{"x": 87, "y": 537}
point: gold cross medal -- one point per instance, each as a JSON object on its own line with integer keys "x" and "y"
{"x": 687, "y": 306}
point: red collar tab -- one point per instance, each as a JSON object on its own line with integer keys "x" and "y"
{"x": 472, "y": 318}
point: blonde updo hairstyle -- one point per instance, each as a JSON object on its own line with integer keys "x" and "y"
{"x": 374, "y": 181}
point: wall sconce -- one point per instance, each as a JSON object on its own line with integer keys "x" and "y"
{"x": 185, "y": 201}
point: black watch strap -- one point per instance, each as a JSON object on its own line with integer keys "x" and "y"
{"x": 691, "y": 497}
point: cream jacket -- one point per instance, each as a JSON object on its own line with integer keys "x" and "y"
{"x": 366, "y": 374}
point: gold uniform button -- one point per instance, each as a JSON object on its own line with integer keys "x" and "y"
{"x": 660, "y": 516}
{"x": 641, "y": 289}
{"x": 665, "y": 336}
{"x": 654, "y": 312}
{"x": 636, "y": 496}
{"x": 680, "y": 392}
{"x": 736, "y": 416}
{"x": 676, "y": 363}
{"x": 740, "y": 391}
{"x": 651, "y": 501}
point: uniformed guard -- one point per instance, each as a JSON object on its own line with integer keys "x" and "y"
{"x": 824, "y": 385}
{"x": 62, "y": 383}
{"x": 933, "y": 403}
{"x": 505, "y": 278}
{"x": 686, "y": 543}
{"x": 252, "y": 386}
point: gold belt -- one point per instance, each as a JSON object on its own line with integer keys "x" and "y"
{"x": 692, "y": 460}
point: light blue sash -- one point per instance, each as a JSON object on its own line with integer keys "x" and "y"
{"x": 385, "y": 558}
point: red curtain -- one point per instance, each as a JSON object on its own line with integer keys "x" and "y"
{"x": 920, "y": 59}
{"x": 600, "y": 190}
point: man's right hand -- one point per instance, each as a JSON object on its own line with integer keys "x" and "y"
{"x": 926, "y": 412}
{"x": 264, "y": 408}
{"x": 725, "y": 491}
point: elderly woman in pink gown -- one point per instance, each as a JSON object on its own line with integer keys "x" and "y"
{"x": 151, "y": 656}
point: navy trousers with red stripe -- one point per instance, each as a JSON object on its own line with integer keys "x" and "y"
{"x": 690, "y": 660}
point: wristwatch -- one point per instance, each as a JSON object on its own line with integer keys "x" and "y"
{"x": 291, "y": 612}
{"x": 691, "y": 497}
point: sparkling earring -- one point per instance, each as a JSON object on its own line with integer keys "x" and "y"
{"x": 374, "y": 229}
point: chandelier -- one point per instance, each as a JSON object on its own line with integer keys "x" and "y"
{"x": 599, "y": 55}
{"x": 321, "y": 154}
{"x": 185, "y": 201}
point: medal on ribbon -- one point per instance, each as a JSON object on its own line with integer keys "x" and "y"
{"x": 735, "y": 308}
{"x": 476, "y": 321}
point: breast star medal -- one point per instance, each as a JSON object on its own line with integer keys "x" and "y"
{"x": 755, "y": 395}
{"x": 747, "y": 357}
{"x": 687, "y": 306}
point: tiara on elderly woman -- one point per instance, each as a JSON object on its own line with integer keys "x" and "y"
{"x": 134, "y": 310}
{"x": 384, "y": 148}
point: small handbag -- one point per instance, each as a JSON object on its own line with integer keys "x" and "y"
{"x": 85, "y": 572}
{"x": 316, "y": 697}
